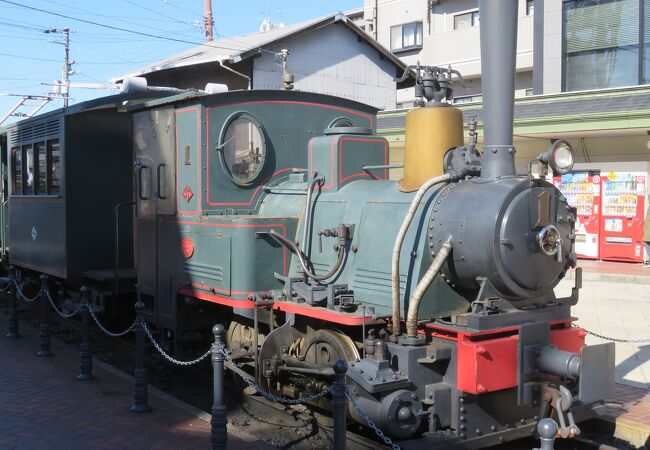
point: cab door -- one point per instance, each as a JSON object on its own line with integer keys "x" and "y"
{"x": 154, "y": 143}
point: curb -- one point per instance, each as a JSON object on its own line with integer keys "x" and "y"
{"x": 610, "y": 278}
{"x": 634, "y": 433}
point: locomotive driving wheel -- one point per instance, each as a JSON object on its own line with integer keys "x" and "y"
{"x": 323, "y": 347}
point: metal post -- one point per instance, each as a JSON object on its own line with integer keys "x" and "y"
{"x": 13, "y": 314}
{"x": 339, "y": 404}
{"x": 547, "y": 430}
{"x": 219, "y": 435}
{"x": 140, "y": 386}
{"x": 85, "y": 348}
{"x": 44, "y": 329}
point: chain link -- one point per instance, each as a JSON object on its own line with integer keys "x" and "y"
{"x": 56, "y": 309}
{"x": 169, "y": 358}
{"x": 388, "y": 441}
{"x": 101, "y": 327}
{"x": 268, "y": 395}
{"x": 20, "y": 293}
{"x": 620, "y": 340}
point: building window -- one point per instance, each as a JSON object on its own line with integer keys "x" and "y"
{"x": 603, "y": 42}
{"x": 54, "y": 163}
{"x": 466, "y": 20}
{"x": 406, "y": 36}
{"x": 467, "y": 99}
{"x": 530, "y": 7}
{"x": 529, "y": 92}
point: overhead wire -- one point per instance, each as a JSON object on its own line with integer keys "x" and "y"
{"x": 137, "y": 5}
{"x": 126, "y": 30}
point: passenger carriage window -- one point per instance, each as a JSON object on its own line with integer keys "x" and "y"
{"x": 54, "y": 163}
{"x": 17, "y": 157}
{"x": 28, "y": 164}
{"x": 41, "y": 168}
{"x": 243, "y": 148}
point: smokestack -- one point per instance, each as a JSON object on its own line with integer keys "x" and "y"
{"x": 498, "y": 54}
{"x": 207, "y": 6}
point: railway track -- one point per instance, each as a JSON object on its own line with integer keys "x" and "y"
{"x": 287, "y": 427}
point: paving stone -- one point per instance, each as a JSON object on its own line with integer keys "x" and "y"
{"x": 43, "y": 406}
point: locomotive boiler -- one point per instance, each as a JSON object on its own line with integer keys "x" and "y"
{"x": 273, "y": 212}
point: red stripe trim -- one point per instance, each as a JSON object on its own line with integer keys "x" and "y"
{"x": 233, "y": 303}
{"x": 321, "y": 313}
{"x": 307, "y": 311}
{"x": 361, "y": 174}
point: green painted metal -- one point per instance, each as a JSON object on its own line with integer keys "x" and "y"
{"x": 218, "y": 248}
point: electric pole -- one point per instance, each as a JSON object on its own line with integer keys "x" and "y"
{"x": 207, "y": 6}
{"x": 67, "y": 63}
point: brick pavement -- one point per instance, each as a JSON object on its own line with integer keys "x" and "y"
{"x": 615, "y": 302}
{"x": 43, "y": 406}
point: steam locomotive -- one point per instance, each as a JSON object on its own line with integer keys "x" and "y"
{"x": 273, "y": 212}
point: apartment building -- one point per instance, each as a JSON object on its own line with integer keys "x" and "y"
{"x": 583, "y": 74}
{"x": 562, "y": 46}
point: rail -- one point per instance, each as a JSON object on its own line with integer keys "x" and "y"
{"x": 338, "y": 392}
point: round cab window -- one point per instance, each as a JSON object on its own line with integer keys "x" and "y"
{"x": 243, "y": 148}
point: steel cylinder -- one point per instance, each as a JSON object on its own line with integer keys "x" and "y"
{"x": 430, "y": 132}
{"x": 559, "y": 362}
{"x": 498, "y": 56}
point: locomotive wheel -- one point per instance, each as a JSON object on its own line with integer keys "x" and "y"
{"x": 240, "y": 340}
{"x": 324, "y": 347}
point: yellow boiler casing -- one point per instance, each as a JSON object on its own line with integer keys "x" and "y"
{"x": 430, "y": 132}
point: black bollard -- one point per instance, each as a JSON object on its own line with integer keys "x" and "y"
{"x": 85, "y": 348}
{"x": 13, "y": 314}
{"x": 339, "y": 404}
{"x": 140, "y": 386}
{"x": 219, "y": 435}
{"x": 44, "y": 329}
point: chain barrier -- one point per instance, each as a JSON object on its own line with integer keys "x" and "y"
{"x": 244, "y": 376}
{"x": 110, "y": 333}
{"x": 268, "y": 395}
{"x": 388, "y": 441}
{"x": 612, "y": 339}
{"x": 167, "y": 356}
{"x": 58, "y": 311}
{"x": 21, "y": 294}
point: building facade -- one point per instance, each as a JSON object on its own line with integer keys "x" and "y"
{"x": 328, "y": 55}
{"x": 582, "y": 74}
{"x": 562, "y": 45}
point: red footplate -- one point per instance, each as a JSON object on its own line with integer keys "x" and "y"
{"x": 487, "y": 361}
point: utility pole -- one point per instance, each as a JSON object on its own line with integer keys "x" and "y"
{"x": 67, "y": 64}
{"x": 207, "y": 6}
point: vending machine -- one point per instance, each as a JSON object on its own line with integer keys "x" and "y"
{"x": 623, "y": 213}
{"x": 582, "y": 191}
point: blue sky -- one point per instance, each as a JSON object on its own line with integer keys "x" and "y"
{"x": 29, "y": 58}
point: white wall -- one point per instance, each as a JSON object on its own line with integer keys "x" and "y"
{"x": 552, "y": 72}
{"x": 332, "y": 61}
{"x": 442, "y": 45}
